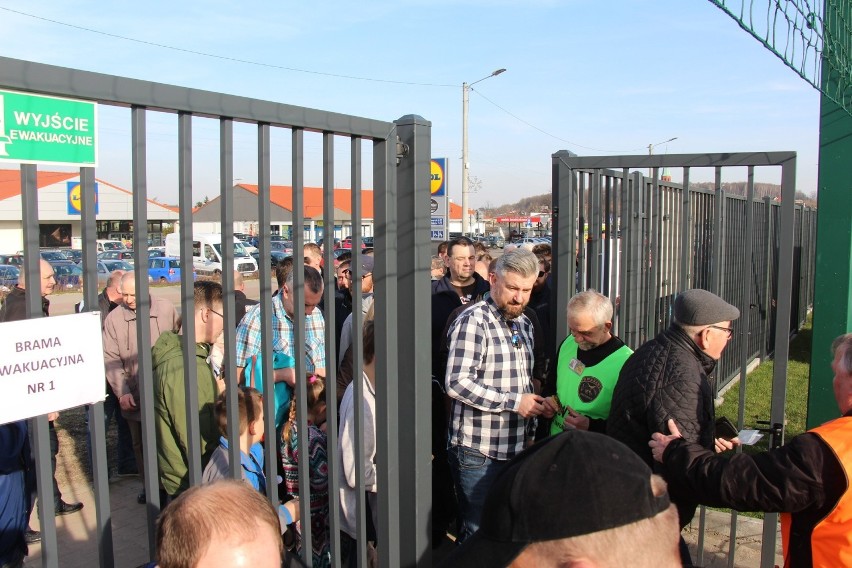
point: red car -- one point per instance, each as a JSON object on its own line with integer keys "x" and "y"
{"x": 347, "y": 243}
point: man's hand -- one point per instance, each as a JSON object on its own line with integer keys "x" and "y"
{"x": 575, "y": 420}
{"x": 659, "y": 442}
{"x": 723, "y": 445}
{"x": 51, "y": 416}
{"x": 531, "y": 405}
{"x": 549, "y": 407}
{"x": 126, "y": 402}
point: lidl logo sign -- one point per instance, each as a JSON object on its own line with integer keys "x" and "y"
{"x": 438, "y": 177}
{"x": 75, "y": 198}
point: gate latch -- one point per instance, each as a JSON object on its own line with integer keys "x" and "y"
{"x": 775, "y": 431}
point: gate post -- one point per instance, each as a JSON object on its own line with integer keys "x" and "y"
{"x": 413, "y": 250}
{"x": 832, "y": 274}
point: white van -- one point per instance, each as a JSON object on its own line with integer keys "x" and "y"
{"x": 107, "y": 244}
{"x": 207, "y": 253}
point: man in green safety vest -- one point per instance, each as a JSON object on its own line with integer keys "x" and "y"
{"x": 587, "y": 366}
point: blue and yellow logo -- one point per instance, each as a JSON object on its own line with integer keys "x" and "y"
{"x": 438, "y": 177}
{"x": 75, "y": 198}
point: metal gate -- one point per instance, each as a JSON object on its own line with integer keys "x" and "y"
{"x": 642, "y": 240}
{"x": 400, "y": 173}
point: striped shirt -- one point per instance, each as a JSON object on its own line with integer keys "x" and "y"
{"x": 486, "y": 375}
{"x": 248, "y": 335}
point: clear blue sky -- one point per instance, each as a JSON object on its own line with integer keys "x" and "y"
{"x": 598, "y": 77}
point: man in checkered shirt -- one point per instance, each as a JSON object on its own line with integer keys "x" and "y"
{"x": 489, "y": 377}
{"x": 283, "y": 312}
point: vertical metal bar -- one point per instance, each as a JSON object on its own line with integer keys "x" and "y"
{"x": 623, "y": 221}
{"x": 767, "y": 284}
{"x": 716, "y": 282}
{"x": 782, "y": 342}
{"x": 685, "y": 236}
{"x": 226, "y": 245}
{"x": 635, "y": 259}
{"x": 139, "y": 156}
{"x": 358, "y": 345}
{"x": 331, "y": 355}
{"x": 653, "y": 290}
{"x": 594, "y": 241}
{"x": 582, "y": 238}
{"x": 97, "y": 425}
{"x": 265, "y": 300}
{"x": 386, "y": 338}
{"x": 607, "y": 235}
{"x": 702, "y": 527}
{"x": 298, "y": 293}
{"x": 744, "y": 332}
{"x": 564, "y": 236}
{"x": 412, "y": 316}
{"x": 39, "y": 425}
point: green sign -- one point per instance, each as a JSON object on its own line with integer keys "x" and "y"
{"x": 35, "y": 129}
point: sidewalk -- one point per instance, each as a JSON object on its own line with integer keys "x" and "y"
{"x": 76, "y": 533}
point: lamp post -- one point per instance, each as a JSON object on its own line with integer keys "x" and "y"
{"x": 651, "y": 152}
{"x": 465, "y": 96}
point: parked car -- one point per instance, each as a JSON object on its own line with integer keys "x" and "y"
{"x": 276, "y": 256}
{"x": 13, "y": 259}
{"x": 106, "y": 244}
{"x": 164, "y": 269}
{"x": 116, "y": 255}
{"x": 336, "y": 243}
{"x": 8, "y": 277}
{"x": 113, "y": 265}
{"x": 495, "y": 241}
{"x": 155, "y": 252}
{"x": 53, "y": 255}
{"x": 284, "y": 247}
{"x": 68, "y": 276}
{"x": 74, "y": 255}
{"x": 347, "y": 243}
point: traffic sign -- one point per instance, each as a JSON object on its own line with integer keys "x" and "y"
{"x": 35, "y": 129}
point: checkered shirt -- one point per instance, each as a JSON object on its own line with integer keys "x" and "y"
{"x": 248, "y": 335}
{"x": 486, "y": 376}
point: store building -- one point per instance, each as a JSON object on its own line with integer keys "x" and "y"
{"x": 59, "y": 211}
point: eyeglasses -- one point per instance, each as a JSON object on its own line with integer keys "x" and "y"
{"x": 516, "y": 334}
{"x": 729, "y": 331}
{"x": 217, "y": 313}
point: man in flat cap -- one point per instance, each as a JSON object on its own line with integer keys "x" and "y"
{"x": 667, "y": 379}
{"x": 578, "y": 499}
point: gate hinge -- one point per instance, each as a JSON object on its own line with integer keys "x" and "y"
{"x": 401, "y": 150}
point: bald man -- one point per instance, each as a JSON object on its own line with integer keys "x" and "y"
{"x": 121, "y": 356}
{"x": 240, "y": 300}
{"x": 225, "y": 523}
{"x": 15, "y": 307}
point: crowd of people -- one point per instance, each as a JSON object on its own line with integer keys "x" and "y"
{"x": 546, "y": 451}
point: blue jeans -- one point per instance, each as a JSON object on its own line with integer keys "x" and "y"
{"x": 473, "y": 473}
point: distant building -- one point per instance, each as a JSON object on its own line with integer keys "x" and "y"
{"x": 59, "y": 211}
{"x": 207, "y": 218}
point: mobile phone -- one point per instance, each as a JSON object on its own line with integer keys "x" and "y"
{"x": 725, "y": 429}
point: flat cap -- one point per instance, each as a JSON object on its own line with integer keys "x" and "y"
{"x": 700, "y": 307}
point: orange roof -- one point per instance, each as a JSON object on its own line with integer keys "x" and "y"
{"x": 282, "y": 195}
{"x": 10, "y": 184}
{"x": 10, "y": 181}
{"x": 456, "y": 211}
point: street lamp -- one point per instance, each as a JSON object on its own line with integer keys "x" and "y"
{"x": 465, "y": 96}
{"x": 651, "y": 152}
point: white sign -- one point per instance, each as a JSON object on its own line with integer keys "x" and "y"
{"x": 50, "y": 364}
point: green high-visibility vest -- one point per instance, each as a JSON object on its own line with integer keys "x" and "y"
{"x": 589, "y": 391}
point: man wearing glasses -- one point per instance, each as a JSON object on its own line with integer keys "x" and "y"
{"x": 489, "y": 378}
{"x": 170, "y": 419}
{"x": 667, "y": 378}
{"x": 587, "y": 366}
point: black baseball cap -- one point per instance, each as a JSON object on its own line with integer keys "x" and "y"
{"x": 571, "y": 484}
